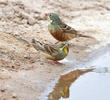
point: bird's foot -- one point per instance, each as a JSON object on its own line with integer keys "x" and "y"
{"x": 55, "y": 62}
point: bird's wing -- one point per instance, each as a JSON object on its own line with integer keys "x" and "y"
{"x": 51, "y": 49}
{"x": 38, "y": 45}
{"x": 67, "y": 29}
{"x": 46, "y": 48}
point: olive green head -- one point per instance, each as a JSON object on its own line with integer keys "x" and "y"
{"x": 53, "y": 18}
{"x": 64, "y": 46}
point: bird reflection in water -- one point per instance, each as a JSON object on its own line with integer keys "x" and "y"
{"x": 61, "y": 89}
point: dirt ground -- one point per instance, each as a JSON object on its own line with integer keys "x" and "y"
{"x": 24, "y": 73}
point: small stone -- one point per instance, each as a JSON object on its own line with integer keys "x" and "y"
{"x": 41, "y": 63}
{"x": 31, "y": 21}
{"x": 26, "y": 57}
{"x": 5, "y": 74}
{"x": 13, "y": 67}
{"x": 4, "y": 2}
{"x": 14, "y": 95}
{"x": 2, "y": 90}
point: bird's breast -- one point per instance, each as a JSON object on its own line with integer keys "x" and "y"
{"x": 58, "y": 34}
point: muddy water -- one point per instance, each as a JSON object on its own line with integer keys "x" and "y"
{"x": 89, "y": 83}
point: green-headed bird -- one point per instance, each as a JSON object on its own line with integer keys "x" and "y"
{"x": 61, "y": 31}
{"x": 52, "y": 52}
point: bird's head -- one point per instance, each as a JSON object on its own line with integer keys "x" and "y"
{"x": 53, "y": 17}
{"x": 65, "y": 92}
{"x": 64, "y": 46}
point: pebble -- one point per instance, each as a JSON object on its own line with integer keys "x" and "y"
{"x": 5, "y": 74}
{"x": 31, "y": 21}
{"x": 14, "y": 95}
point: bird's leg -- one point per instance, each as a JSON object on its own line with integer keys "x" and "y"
{"x": 57, "y": 42}
{"x": 55, "y": 62}
{"x": 58, "y": 62}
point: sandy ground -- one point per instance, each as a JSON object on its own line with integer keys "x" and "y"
{"x": 24, "y": 73}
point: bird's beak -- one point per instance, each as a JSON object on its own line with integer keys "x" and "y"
{"x": 46, "y": 14}
{"x": 66, "y": 45}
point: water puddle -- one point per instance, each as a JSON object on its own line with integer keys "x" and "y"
{"x": 88, "y": 80}
{"x": 82, "y": 84}
{"x": 99, "y": 57}
{"x": 62, "y": 88}
{"x": 91, "y": 82}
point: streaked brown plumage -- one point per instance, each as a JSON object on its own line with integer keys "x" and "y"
{"x": 52, "y": 52}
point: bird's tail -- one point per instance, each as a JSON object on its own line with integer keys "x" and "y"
{"x": 81, "y": 35}
{"x": 23, "y": 41}
{"x": 37, "y": 45}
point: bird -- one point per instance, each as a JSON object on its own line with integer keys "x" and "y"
{"x": 60, "y": 30}
{"x": 52, "y": 52}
